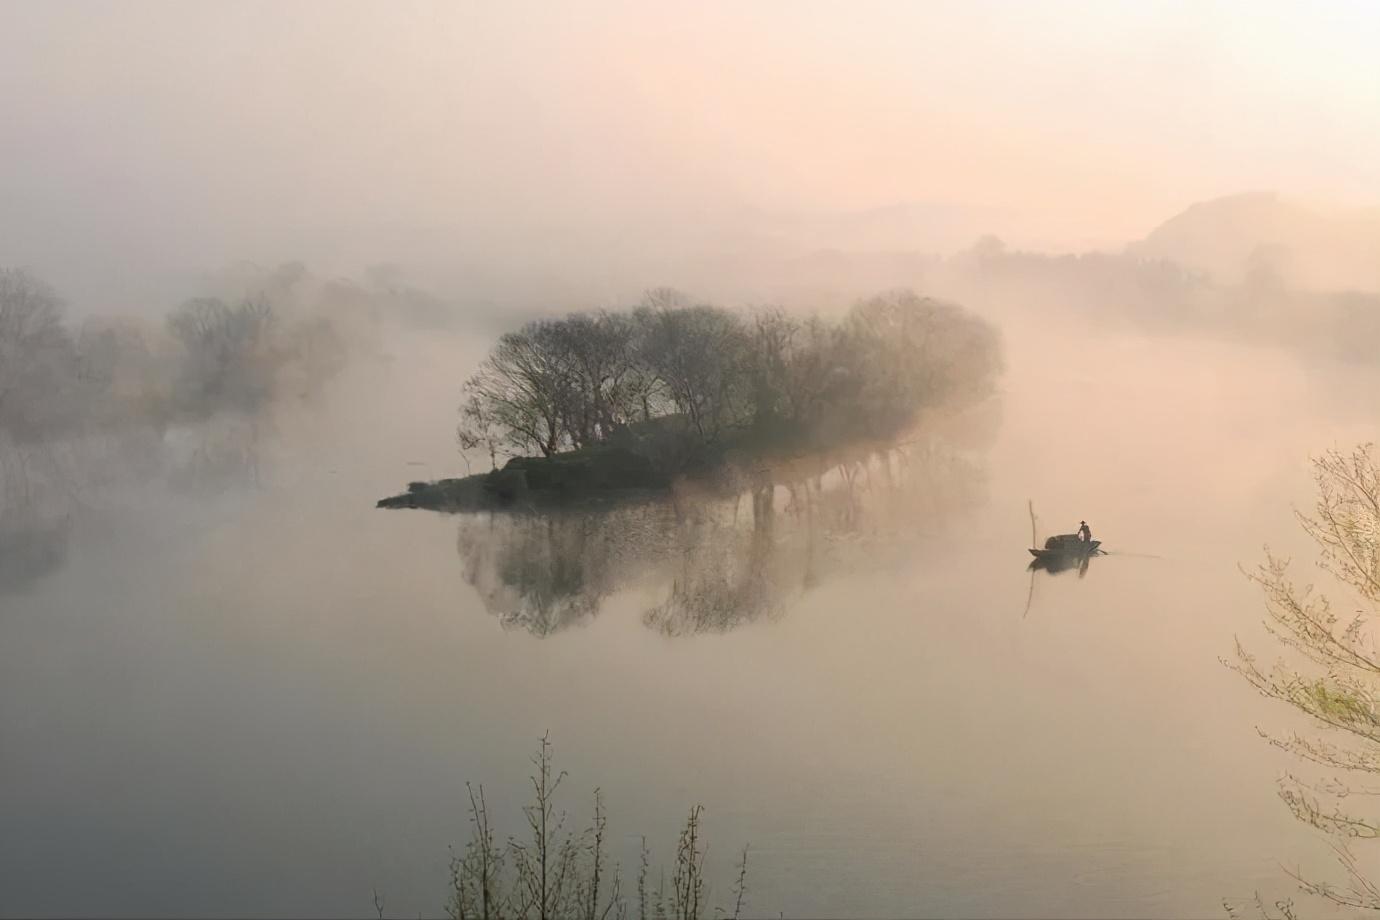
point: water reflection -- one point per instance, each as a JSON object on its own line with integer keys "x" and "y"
{"x": 30, "y": 549}
{"x": 214, "y": 456}
{"x": 1057, "y": 563}
{"x": 37, "y": 496}
{"x": 715, "y": 559}
{"x": 545, "y": 572}
{"x": 49, "y": 485}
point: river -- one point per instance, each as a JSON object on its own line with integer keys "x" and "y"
{"x": 266, "y": 702}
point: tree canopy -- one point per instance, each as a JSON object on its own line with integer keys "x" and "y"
{"x": 707, "y": 378}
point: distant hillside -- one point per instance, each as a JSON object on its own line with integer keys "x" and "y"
{"x": 901, "y": 227}
{"x": 1258, "y": 233}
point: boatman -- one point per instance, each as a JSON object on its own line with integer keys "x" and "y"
{"x": 1084, "y": 532}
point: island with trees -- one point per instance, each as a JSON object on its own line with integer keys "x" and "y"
{"x": 607, "y": 406}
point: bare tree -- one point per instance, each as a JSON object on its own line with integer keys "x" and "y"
{"x": 698, "y": 354}
{"x": 479, "y": 430}
{"x": 226, "y": 362}
{"x": 905, "y": 353}
{"x": 597, "y": 351}
{"x": 1256, "y": 907}
{"x": 792, "y": 363}
{"x": 475, "y": 874}
{"x": 590, "y": 889}
{"x": 523, "y": 387}
{"x": 722, "y": 381}
{"x": 740, "y": 886}
{"x": 544, "y": 863}
{"x": 1337, "y": 680}
{"x": 556, "y": 873}
{"x": 687, "y": 884}
{"x": 37, "y": 358}
{"x": 643, "y": 860}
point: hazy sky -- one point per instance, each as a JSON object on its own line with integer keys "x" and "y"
{"x": 145, "y": 137}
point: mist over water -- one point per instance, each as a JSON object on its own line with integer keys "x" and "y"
{"x": 265, "y": 699}
{"x": 255, "y": 261}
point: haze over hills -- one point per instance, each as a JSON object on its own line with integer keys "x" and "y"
{"x": 1232, "y": 237}
{"x": 1227, "y": 238}
{"x": 818, "y": 258}
{"x": 823, "y": 259}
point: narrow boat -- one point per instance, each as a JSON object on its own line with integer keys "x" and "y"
{"x": 1065, "y": 546}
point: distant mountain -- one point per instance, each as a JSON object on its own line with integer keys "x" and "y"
{"x": 1259, "y": 234}
{"x": 930, "y": 227}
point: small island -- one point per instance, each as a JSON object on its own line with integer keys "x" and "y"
{"x": 607, "y": 407}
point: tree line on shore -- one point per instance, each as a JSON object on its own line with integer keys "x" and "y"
{"x": 211, "y": 355}
{"x": 90, "y": 399}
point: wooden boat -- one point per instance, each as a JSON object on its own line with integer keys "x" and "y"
{"x": 1067, "y": 546}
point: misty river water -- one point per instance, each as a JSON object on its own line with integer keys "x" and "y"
{"x": 266, "y": 702}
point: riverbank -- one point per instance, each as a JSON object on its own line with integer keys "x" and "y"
{"x": 596, "y": 476}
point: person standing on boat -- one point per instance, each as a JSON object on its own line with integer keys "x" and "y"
{"x": 1084, "y": 532}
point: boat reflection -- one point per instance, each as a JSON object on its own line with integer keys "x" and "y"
{"x": 1058, "y": 563}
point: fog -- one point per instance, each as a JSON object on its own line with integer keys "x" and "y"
{"x": 522, "y": 151}
{"x": 250, "y": 254}
{"x": 264, "y": 697}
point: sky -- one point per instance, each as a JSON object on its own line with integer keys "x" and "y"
{"x": 144, "y": 139}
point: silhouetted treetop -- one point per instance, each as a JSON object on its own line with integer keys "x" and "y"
{"x": 680, "y": 382}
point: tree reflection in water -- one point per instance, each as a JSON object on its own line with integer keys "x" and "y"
{"x": 36, "y": 501}
{"x": 720, "y": 557}
{"x": 30, "y": 548}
